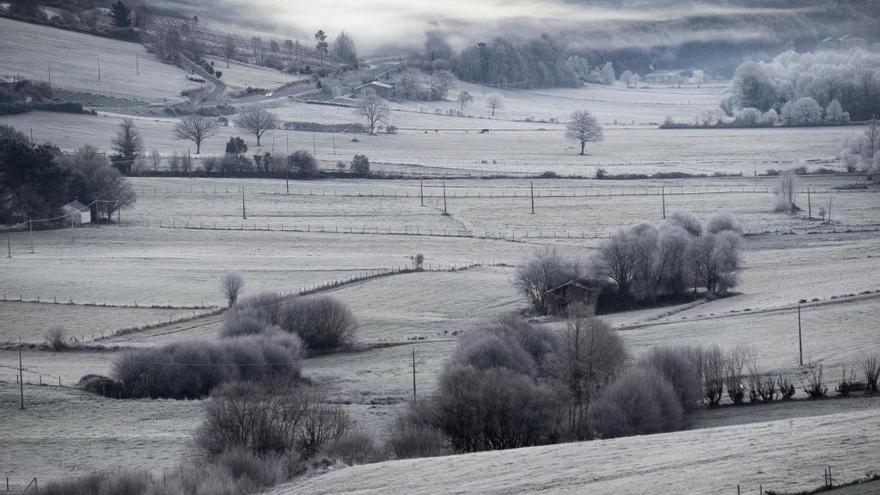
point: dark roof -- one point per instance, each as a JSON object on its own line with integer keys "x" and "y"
{"x": 583, "y": 283}
{"x": 76, "y": 205}
{"x": 375, "y": 83}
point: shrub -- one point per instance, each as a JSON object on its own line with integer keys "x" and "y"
{"x": 688, "y": 221}
{"x": 493, "y": 409}
{"x": 122, "y": 483}
{"x": 408, "y": 441}
{"x": 847, "y": 383}
{"x": 638, "y": 402}
{"x": 355, "y": 447}
{"x": 55, "y": 338}
{"x": 723, "y": 221}
{"x": 871, "y": 367}
{"x": 814, "y": 385}
{"x": 101, "y": 385}
{"x": 192, "y": 369}
{"x": 484, "y": 350}
{"x": 262, "y": 419}
{"x": 786, "y": 388}
{"x": 360, "y": 166}
{"x": 676, "y": 365}
{"x": 323, "y": 323}
{"x": 243, "y": 322}
{"x": 733, "y": 374}
{"x": 712, "y": 364}
{"x": 244, "y": 465}
{"x": 266, "y": 305}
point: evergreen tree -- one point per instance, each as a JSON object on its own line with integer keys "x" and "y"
{"x": 121, "y": 14}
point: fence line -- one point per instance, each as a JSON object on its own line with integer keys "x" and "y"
{"x": 511, "y": 235}
{"x": 455, "y": 192}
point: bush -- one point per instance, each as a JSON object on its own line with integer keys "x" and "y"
{"x": 813, "y": 385}
{"x": 712, "y": 365}
{"x": 723, "y": 221}
{"x": 678, "y": 367}
{"x": 871, "y": 366}
{"x": 122, "y": 483}
{"x": 323, "y": 323}
{"x": 688, "y": 221}
{"x": 493, "y": 409}
{"x": 231, "y": 285}
{"x": 639, "y": 402}
{"x": 268, "y": 418}
{"x": 243, "y": 322}
{"x": 189, "y": 370}
{"x": 408, "y": 441}
{"x": 101, "y": 385}
{"x": 786, "y": 388}
{"x": 360, "y": 166}
{"x": 241, "y": 464}
{"x": 355, "y": 447}
{"x": 55, "y": 338}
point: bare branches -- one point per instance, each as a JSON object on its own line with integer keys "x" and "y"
{"x": 374, "y": 110}
{"x": 257, "y": 121}
{"x": 584, "y": 128}
{"x": 196, "y": 128}
{"x": 231, "y": 285}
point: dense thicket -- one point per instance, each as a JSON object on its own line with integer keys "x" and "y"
{"x": 192, "y": 369}
{"x": 851, "y": 77}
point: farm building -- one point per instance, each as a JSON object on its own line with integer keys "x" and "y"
{"x": 581, "y": 296}
{"x": 380, "y": 89}
{"x": 77, "y": 212}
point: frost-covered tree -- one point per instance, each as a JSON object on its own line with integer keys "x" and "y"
{"x": 627, "y": 77}
{"x": 344, "y": 49}
{"x": 698, "y": 77}
{"x": 256, "y": 121}
{"x": 784, "y": 191}
{"x": 584, "y": 128}
{"x": 464, "y": 99}
{"x": 196, "y": 128}
{"x": 862, "y": 150}
{"x": 804, "y": 111}
{"x": 834, "y": 113}
{"x": 374, "y": 109}
{"x": 606, "y": 74}
{"x": 231, "y": 286}
{"x": 494, "y": 101}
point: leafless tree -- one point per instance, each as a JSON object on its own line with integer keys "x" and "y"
{"x": 714, "y": 261}
{"x": 156, "y": 159}
{"x": 543, "y": 272}
{"x": 196, "y": 128}
{"x": 784, "y": 191}
{"x": 464, "y": 99}
{"x": 256, "y": 121}
{"x": 231, "y": 285}
{"x": 55, "y": 337}
{"x": 494, "y": 101}
{"x": 374, "y": 110}
{"x": 588, "y": 356}
{"x": 584, "y": 128}
{"x": 323, "y": 323}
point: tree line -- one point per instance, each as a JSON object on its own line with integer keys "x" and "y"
{"x": 37, "y": 180}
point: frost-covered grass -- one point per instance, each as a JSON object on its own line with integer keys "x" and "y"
{"x": 779, "y": 455}
{"x": 29, "y": 50}
{"x": 29, "y": 321}
{"x": 63, "y": 432}
{"x": 240, "y": 75}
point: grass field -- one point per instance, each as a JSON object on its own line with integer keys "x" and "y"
{"x": 127, "y": 70}
{"x": 720, "y": 458}
{"x": 240, "y": 75}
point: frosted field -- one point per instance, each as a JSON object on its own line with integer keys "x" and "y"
{"x": 151, "y": 266}
{"x": 780, "y": 455}
{"x": 64, "y": 433}
{"x": 563, "y": 208}
{"x": 240, "y": 75}
{"x": 528, "y": 151}
{"x": 29, "y": 50}
{"x": 29, "y": 321}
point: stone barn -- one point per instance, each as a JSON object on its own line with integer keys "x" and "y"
{"x": 77, "y": 213}
{"x": 580, "y": 296}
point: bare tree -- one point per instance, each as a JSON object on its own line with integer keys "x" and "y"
{"x": 784, "y": 192}
{"x": 494, "y": 101}
{"x": 714, "y": 261}
{"x": 464, "y": 98}
{"x": 588, "y": 356}
{"x": 231, "y": 285}
{"x": 256, "y": 121}
{"x": 156, "y": 159}
{"x": 374, "y": 110}
{"x": 196, "y": 128}
{"x": 584, "y": 128}
{"x": 543, "y": 272}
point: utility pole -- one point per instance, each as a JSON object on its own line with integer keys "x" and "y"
{"x": 663, "y": 199}
{"x": 287, "y": 177}
{"x": 243, "y": 212}
{"x": 137, "y": 63}
{"x": 444, "y": 199}
{"x": 31, "y": 233}
{"x": 800, "y": 337}
{"x": 20, "y": 376}
{"x": 99, "y": 68}
{"x": 190, "y": 163}
{"x": 415, "y": 397}
{"x": 532, "y": 194}
{"x": 809, "y": 206}
{"x": 421, "y": 193}
{"x": 8, "y": 244}
{"x": 333, "y": 140}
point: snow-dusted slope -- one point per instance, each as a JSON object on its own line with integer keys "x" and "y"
{"x": 788, "y": 454}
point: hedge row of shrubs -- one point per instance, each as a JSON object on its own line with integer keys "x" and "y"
{"x": 63, "y": 107}
{"x": 190, "y": 370}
